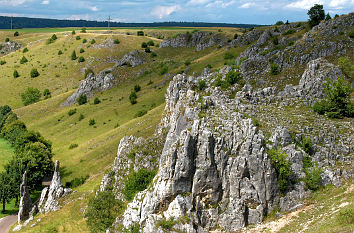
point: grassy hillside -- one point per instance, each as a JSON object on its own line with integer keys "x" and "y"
{"x": 5, "y": 153}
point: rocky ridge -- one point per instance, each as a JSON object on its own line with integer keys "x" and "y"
{"x": 9, "y": 47}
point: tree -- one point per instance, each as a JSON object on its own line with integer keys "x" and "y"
{"x": 54, "y": 37}
{"x": 82, "y": 50}
{"x": 73, "y": 32}
{"x": 6, "y": 189}
{"x": 132, "y": 97}
{"x": 116, "y": 41}
{"x": 34, "y": 73}
{"x": 328, "y": 17}
{"x": 16, "y": 74}
{"x": 287, "y": 22}
{"x": 96, "y": 101}
{"x": 140, "y": 33}
{"x": 150, "y": 43}
{"x": 7, "y": 39}
{"x": 23, "y": 60}
{"x": 30, "y": 96}
{"x": 60, "y": 52}
{"x": 82, "y": 99}
{"x": 15, "y": 170}
{"x": 73, "y": 55}
{"x": 316, "y": 14}
{"x": 279, "y": 23}
{"x": 81, "y": 59}
{"x": 16, "y": 34}
{"x": 47, "y": 94}
{"x": 83, "y": 30}
{"x": 144, "y": 45}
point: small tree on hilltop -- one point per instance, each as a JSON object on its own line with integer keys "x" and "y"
{"x": 73, "y": 55}
{"x": 316, "y": 14}
{"x": 16, "y": 74}
{"x": 34, "y": 73}
{"x": 328, "y": 17}
{"x": 16, "y": 34}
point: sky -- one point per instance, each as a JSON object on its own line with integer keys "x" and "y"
{"x": 215, "y": 11}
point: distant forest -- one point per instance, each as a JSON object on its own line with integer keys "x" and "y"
{"x": 24, "y": 22}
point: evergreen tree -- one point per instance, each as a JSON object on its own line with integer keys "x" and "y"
{"x": 73, "y": 56}
{"x": 316, "y": 14}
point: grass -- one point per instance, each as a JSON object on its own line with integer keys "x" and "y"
{"x": 6, "y": 152}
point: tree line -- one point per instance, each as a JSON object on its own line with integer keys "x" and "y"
{"x": 33, "y": 153}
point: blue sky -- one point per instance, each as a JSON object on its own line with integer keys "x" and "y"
{"x": 222, "y": 11}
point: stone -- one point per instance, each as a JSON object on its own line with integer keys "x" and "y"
{"x": 25, "y": 201}
{"x": 133, "y": 58}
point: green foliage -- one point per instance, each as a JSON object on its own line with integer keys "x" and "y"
{"x": 338, "y": 103}
{"x": 274, "y": 69}
{"x": 137, "y": 88}
{"x": 228, "y": 56}
{"x": 306, "y": 145}
{"x": 76, "y": 182}
{"x": 23, "y": 60}
{"x": 133, "y": 97}
{"x": 255, "y": 122}
{"x": 346, "y": 65}
{"x": 72, "y": 146}
{"x": 275, "y": 40}
{"x": 60, "y": 52}
{"x": 166, "y": 224}
{"x": 54, "y": 37}
{"x": 82, "y": 50}
{"x": 88, "y": 71}
{"x": 30, "y": 96}
{"x": 163, "y": 69}
{"x": 93, "y": 41}
{"x": 78, "y": 38}
{"x": 96, "y": 101}
{"x": 7, "y": 39}
{"x": 73, "y": 32}
{"x": 140, "y": 33}
{"x": 202, "y": 85}
{"x": 282, "y": 167}
{"x": 328, "y": 17}
{"x": 279, "y": 23}
{"x": 81, "y": 59}
{"x": 147, "y": 50}
{"x": 92, "y": 122}
{"x": 82, "y": 99}
{"x": 137, "y": 182}
{"x": 16, "y": 34}
{"x": 153, "y": 54}
{"x": 313, "y": 178}
{"x": 72, "y": 111}
{"x": 316, "y": 14}
{"x": 346, "y": 216}
{"x": 102, "y": 211}
{"x": 25, "y": 50}
{"x": 16, "y": 74}
{"x": 234, "y": 77}
{"x": 83, "y": 30}
{"x": 46, "y": 93}
{"x": 2, "y": 62}
{"x": 7, "y": 191}
{"x": 235, "y": 36}
{"x": 307, "y": 162}
{"x": 144, "y": 45}
{"x": 81, "y": 117}
{"x": 141, "y": 113}
{"x": 150, "y": 43}
{"x": 289, "y": 32}
{"x": 73, "y": 55}
{"x": 116, "y": 41}
{"x": 84, "y": 41}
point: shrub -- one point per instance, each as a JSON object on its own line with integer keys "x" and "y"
{"x": 23, "y": 60}
{"x": 351, "y": 33}
{"x": 116, "y": 41}
{"x": 102, "y": 211}
{"x": 313, "y": 178}
{"x": 316, "y": 14}
{"x": 228, "y": 56}
{"x": 166, "y": 224}
{"x": 306, "y": 145}
{"x": 73, "y": 55}
{"x": 81, "y": 117}
{"x": 72, "y": 146}
{"x": 2, "y": 62}
{"x": 144, "y": 45}
{"x": 163, "y": 70}
{"x": 16, "y": 34}
{"x": 25, "y": 50}
{"x": 7, "y": 40}
{"x": 279, "y": 23}
{"x": 346, "y": 216}
{"x": 82, "y": 50}
{"x": 82, "y": 99}
{"x": 81, "y": 59}
{"x": 47, "y": 94}
{"x": 132, "y": 97}
{"x": 201, "y": 85}
{"x": 78, "y": 38}
{"x": 274, "y": 69}
{"x": 150, "y": 43}
{"x": 147, "y": 50}
{"x": 84, "y": 41}
{"x": 153, "y": 54}
{"x": 30, "y": 96}
{"x": 137, "y": 182}
{"x": 60, "y": 52}
{"x": 72, "y": 111}
{"x": 73, "y": 32}
{"x": 88, "y": 71}
{"x": 346, "y": 65}
{"x": 328, "y": 17}
{"x": 83, "y": 30}
{"x": 233, "y": 77}
{"x": 141, "y": 113}
{"x": 92, "y": 41}
{"x": 16, "y": 74}
{"x": 282, "y": 166}
{"x": 187, "y": 62}
{"x": 96, "y": 101}
{"x": 235, "y": 36}
{"x": 137, "y": 88}
{"x": 34, "y": 73}
{"x": 76, "y": 182}
{"x": 289, "y": 32}
{"x": 140, "y": 33}
{"x": 92, "y": 122}
{"x": 54, "y": 37}
{"x": 275, "y": 40}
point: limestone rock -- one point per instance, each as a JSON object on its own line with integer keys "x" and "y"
{"x": 25, "y": 202}
{"x": 9, "y": 47}
{"x": 133, "y": 58}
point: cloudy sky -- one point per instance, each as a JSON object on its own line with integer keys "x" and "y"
{"x": 223, "y": 11}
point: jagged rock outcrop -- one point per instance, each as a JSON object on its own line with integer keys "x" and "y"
{"x": 199, "y": 40}
{"x": 49, "y": 200}
{"x": 9, "y": 47}
{"x": 25, "y": 201}
{"x": 91, "y": 84}
{"x": 133, "y": 58}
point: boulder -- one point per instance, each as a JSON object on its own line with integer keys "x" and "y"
{"x": 25, "y": 201}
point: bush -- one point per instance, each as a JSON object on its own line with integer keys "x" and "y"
{"x": 275, "y": 40}
{"x": 144, "y": 45}
{"x": 150, "y": 43}
{"x": 289, "y": 32}
{"x": 73, "y": 55}
{"x": 187, "y": 62}
{"x": 147, "y": 50}
{"x": 16, "y": 34}
{"x": 96, "y": 101}
{"x": 73, "y": 32}
{"x": 7, "y": 40}
{"x": 82, "y": 50}
{"x": 93, "y": 41}
{"x": 30, "y": 96}
{"x": 81, "y": 117}
{"x": 78, "y": 38}
{"x": 201, "y": 85}
{"x": 137, "y": 182}
{"x": 34, "y": 73}
{"x": 346, "y": 216}
{"x": 16, "y": 74}
{"x": 316, "y": 14}
{"x": 153, "y": 54}
{"x": 25, "y": 50}
{"x": 23, "y": 60}
{"x": 84, "y": 41}
{"x": 60, "y": 52}
{"x": 81, "y": 59}
{"x": 235, "y": 36}
{"x": 82, "y": 99}
{"x": 140, "y": 33}
{"x": 141, "y": 113}
{"x": 2, "y": 62}
{"x": 279, "y": 23}
{"x": 92, "y": 122}
{"x": 116, "y": 41}
{"x": 102, "y": 211}
{"x": 228, "y": 56}
{"x": 233, "y": 77}
{"x": 313, "y": 178}
{"x": 72, "y": 146}
{"x": 351, "y": 33}
{"x": 83, "y": 30}
{"x": 306, "y": 145}
{"x": 163, "y": 70}
{"x": 137, "y": 88}
{"x": 76, "y": 182}
{"x": 274, "y": 69}
{"x": 72, "y": 111}
{"x": 346, "y": 65}
{"x": 47, "y": 94}
{"x": 54, "y": 37}
{"x": 282, "y": 166}
{"x": 132, "y": 97}
{"x": 166, "y": 224}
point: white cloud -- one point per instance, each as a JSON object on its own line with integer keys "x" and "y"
{"x": 338, "y": 4}
{"x": 247, "y": 5}
{"x": 222, "y": 4}
{"x": 13, "y": 2}
{"x": 198, "y": 2}
{"x": 94, "y": 8}
{"x": 164, "y": 11}
{"x": 304, "y": 4}
{"x": 45, "y": 2}
{"x": 79, "y": 17}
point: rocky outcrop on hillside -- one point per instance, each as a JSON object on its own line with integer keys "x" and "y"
{"x": 49, "y": 200}
{"x": 25, "y": 201}
{"x": 9, "y": 47}
{"x": 133, "y": 59}
{"x": 199, "y": 40}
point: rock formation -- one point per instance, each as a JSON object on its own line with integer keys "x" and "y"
{"x": 9, "y": 47}
{"x": 49, "y": 200}
{"x": 25, "y": 201}
{"x": 133, "y": 58}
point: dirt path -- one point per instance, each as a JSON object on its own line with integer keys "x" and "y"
{"x": 6, "y": 223}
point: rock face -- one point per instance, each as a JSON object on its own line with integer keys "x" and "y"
{"x": 9, "y": 47}
{"x": 101, "y": 82}
{"x": 50, "y": 196}
{"x": 199, "y": 40}
{"x": 25, "y": 202}
{"x": 133, "y": 58}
